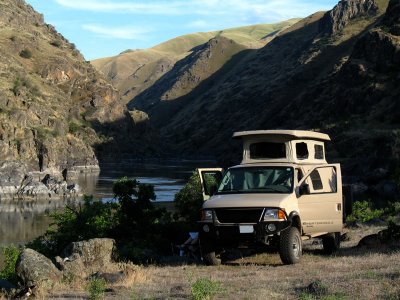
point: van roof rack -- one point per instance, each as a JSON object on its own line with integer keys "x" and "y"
{"x": 291, "y": 134}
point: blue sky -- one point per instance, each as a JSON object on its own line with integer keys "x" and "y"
{"x": 101, "y": 28}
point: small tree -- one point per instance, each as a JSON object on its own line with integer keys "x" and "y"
{"x": 189, "y": 200}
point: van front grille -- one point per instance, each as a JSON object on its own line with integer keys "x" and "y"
{"x": 238, "y": 215}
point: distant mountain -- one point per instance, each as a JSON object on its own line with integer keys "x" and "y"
{"x": 334, "y": 71}
{"x": 133, "y": 71}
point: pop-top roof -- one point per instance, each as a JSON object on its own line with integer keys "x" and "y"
{"x": 296, "y": 134}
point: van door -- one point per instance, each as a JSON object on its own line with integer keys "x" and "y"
{"x": 210, "y": 180}
{"x": 320, "y": 199}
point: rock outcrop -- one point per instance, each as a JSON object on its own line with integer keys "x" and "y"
{"x": 346, "y": 10}
{"x": 36, "y": 270}
{"x": 55, "y": 108}
{"x": 81, "y": 259}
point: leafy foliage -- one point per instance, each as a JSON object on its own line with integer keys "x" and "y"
{"x": 363, "y": 212}
{"x": 26, "y": 53}
{"x": 96, "y": 288}
{"x": 189, "y": 200}
{"x": 205, "y": 288}
{"x": 131, "y": 219}
{"x": 11, "y": 254}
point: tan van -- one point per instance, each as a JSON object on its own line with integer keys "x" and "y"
{"x": 283, "y": 192}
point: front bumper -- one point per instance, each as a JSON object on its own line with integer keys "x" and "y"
{"x": 237, "y": 234}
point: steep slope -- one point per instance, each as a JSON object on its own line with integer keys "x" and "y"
{"x": 133, "y": 71}
{"x": 51, "y": 100}
{"x": 335, "y": 72}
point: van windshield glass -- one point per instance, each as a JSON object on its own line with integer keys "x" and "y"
{"x": 257, "y": 180}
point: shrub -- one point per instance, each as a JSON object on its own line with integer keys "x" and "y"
{"x": 96, "y": 288}
{"x": 363, "y": 212}
{"x": 16, "y": 89}
{"x": 56, "y": 43}
{"x": 131, "y": 219}
{"x": 26, "y": 53}
{"x": 189, "y": 199}
{"x": 205, "y": 288}
{"x": 10, "y": 254}
{"x": 73, "y": 127}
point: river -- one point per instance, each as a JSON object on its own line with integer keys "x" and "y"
{"x": 24, "y": 224}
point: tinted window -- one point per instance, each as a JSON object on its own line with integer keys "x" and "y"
{"x": 319, "y": 152}
{"x": 316, "y": 180}
{"x": 267, "y": 150}
{"x": 301, "y": 150}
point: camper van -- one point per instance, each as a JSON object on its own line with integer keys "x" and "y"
{"x": 283, "y": 192}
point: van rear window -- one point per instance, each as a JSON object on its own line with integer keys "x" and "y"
{"x": 267, "y": 150}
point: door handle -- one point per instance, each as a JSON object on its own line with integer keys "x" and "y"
{"x": 339, "y": 206}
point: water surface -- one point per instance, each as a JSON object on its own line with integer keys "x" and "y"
{"x": 22, "y": 223}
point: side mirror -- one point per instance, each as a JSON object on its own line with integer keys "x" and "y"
{"x": 304, "y": 189}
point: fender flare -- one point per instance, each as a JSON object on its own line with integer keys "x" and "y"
{"x": 295, "y": 220}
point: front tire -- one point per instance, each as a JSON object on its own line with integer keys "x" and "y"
{"x": 208, "y": 253}
{"x": 290, "y": 246}
{"x": 331, "y": 242}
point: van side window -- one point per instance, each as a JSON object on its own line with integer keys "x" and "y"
{"x": 267, "y": 150}
{"x": 319, "y": 151}
{"x": 316, "y": 180}
{"x": 301, "y": 150}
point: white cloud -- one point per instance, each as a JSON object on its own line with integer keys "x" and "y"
{"x": 127, "y": 33}
{"x": 260, "y": 8}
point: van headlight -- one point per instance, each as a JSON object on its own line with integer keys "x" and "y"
{"x": 274, "y": 214}
{"x": 207, "y": 215}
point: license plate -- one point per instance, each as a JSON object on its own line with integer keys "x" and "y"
{"x": 246, "y": 228}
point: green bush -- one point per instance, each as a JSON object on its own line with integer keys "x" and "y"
{"x": 26, "y": 53}
{"x": 56, "y": 43}
{"x": 363, "y": 212}
{"x": 96, "y": 288}
{"x": 131, "y": 219}
{"x": 10, "y": 254}
{"x": 16, "y": 89}
{"x": 189, "y": 199}
{"x": 205, "y": 288}
{"x": 73, "y": 127}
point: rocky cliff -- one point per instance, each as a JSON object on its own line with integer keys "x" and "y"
{"x": 52, "y": 102}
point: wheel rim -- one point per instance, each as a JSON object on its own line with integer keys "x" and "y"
{"x": 296, "y": 246}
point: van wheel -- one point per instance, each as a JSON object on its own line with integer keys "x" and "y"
{"x": 208, "y": 254}
{"x": 331, "y": 242}
{"x": 290, "y": 246}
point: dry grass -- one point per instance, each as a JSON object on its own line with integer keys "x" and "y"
{"x": 352, "y": 273}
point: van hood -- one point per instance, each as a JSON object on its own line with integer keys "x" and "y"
{"x": 246, "y": 200}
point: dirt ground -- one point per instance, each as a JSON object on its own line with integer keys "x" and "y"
{"x": 352, "y": 273}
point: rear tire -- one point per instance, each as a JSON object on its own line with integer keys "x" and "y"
{"x": 208, "y": 253}
{"x": 331, "y": 242}
{"x": 290, "y": 246}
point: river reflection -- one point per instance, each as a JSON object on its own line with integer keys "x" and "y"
{"x": 22, "y": 222}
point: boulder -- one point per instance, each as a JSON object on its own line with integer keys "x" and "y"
{"x": 36, "y": 270}
{"x": 72, "y": 266}
{"x": 94, "y": 253}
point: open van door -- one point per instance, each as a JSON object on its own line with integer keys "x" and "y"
{"x": 210, "y": 179}
{"x": 321, "y": 200}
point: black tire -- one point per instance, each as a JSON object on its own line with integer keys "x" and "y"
{"x": 208, "y": 253}
{"x": 331, "y": 242}
{"x": 290, "y": 246}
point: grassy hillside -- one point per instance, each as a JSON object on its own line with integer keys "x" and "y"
{"x": 134, "y": 71}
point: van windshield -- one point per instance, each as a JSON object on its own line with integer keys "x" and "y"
{"x": 257, "y": 180}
